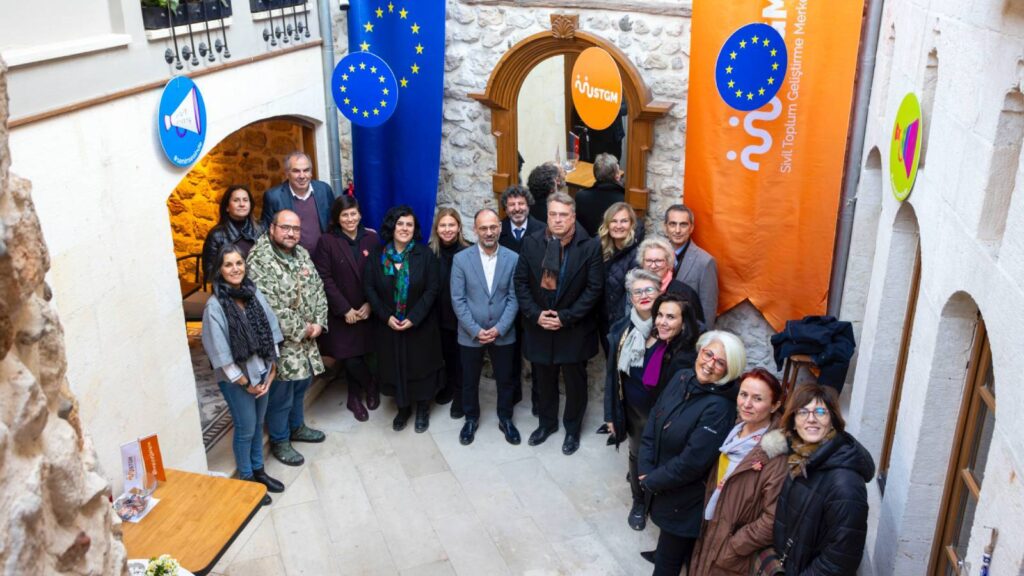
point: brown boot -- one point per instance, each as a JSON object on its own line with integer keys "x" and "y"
{"x": 372, "y": 395}
{"x": 355, "y": 405}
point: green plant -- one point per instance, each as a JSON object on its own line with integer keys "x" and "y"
{"x": 161, "y": 4}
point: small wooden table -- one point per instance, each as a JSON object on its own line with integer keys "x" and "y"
{"x": 582, "y": 176}
{"x": 197, "y": 518}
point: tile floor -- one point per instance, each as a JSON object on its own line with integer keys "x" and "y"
{"x": 373, "y": 501}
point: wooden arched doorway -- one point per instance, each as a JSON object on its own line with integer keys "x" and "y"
{"x": 502, "y": 94}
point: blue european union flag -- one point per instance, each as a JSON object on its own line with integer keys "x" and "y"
{"x": 751, "y": 67}
{"x": 365, "y": 89}
{"x": 398, "y": 161}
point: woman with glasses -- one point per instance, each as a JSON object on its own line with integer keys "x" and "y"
{"x": 655, "y": 254}
{"x": 646, "y": 349}
{"x": 739, "y": 503}
{"x": 619, "y": 237}
{"x": 401, "y": 284}
{"x": 821, "y": 518}
{"x": 687, "y": 424}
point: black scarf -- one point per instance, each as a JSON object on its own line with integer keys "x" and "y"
{"x": 248, "y": 331}
{"x": 244, "y": 230}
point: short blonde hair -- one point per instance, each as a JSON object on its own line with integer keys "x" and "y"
{"x": 659, "y": 243}
{"x": 735, "y": 352}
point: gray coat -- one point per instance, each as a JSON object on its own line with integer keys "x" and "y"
{"x": 217, "y": 343}
{"x": 477, "y": 309}
{"x": 699, "y": 271}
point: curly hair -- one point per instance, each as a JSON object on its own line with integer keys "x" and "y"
{"x": 516, "y": 191}
{"x": 387, "y": 227}
{"x": 543, "y": 181}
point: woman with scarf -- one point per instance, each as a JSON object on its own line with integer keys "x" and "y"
{"x": 655, "y": 254}
{"x": 446, "y": 240}
{"x": 340, "y": 257}
{"x": 401, "y": 283}
{"x": 646, "y": 348}
{"x": 739, "y": 504}
{"x": 821, "y": 519}
{"x": 240, "y": 336}
{"x": 687, "y": 424}
{"x": 236, "y": 225}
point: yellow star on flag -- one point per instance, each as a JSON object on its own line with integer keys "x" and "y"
{"x": 775, "y": 65}
{"x": 355, "y": 110}
{"x": 346, "y": 101}
{"x": 754, "y": 40}
{"x": 403, "y": 13}
{"x": 415, "y": 28}
{"x": 772, "y": 51}
{"x": 732, "y": 55}
{"x": 419, "y": 48}
{"x": 728, "y": 69}
{"x": 405, "y": 83}
{"x": 383, "y": 103}
{"x": 366, "y": 114}
{"x": 739, "y": 93}
{"x": 391, "y": 7}
{"x": 368, "y": 26}
{"x": 380, "y": 13}
{"x": 765, "y": 43}
{"x": 373, "y": 69}
{"x": 760, "y": 92}
{"x": 344, "y": 76}
{"x": 750, "y": 95}
{"x": 376, "y": 112}
{"x": 344, "y": 88}
{"x": 415, "y": 68}
{"x": 732, "y": 84}
{"x": 364, "y": 46}
{"x": 743, "y": 43}
{"x": 362, "y": 65}
{"x": 385, "y": 91}
{"x": 771, "y": 80}
{"x": 381, "y": 78}
{"x": 351, "y": 68}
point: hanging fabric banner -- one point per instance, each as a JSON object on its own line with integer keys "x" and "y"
{"x": 397, "y": 161}
{"x": 766, "y": 141}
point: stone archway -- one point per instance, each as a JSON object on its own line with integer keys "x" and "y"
{"x": 502, "y": 94}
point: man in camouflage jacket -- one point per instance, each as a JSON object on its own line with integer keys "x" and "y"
{"x": 283, "y": 271}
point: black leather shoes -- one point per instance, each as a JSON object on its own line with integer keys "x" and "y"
{"x": 272, "y": 484}
{"x": 468, "y": 432}
{"x": 637, "y": 516}
{"x": 511, "y": 433}
{"x": 540, "y": 435}
{"x": 422, "y": 418}
{"x": 401, "y": 418}
{"x": 267, "y": 500}
{"x": 571, "y": 444}
{"x": 603, "y": 429}
{"x": 649, "y": 556}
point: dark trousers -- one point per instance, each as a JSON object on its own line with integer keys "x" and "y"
{"x": 357, "y": 373}
{"x": 575, "y": 395}
{"x": 673, "y": 552}
{"x": 452, "y": 366}
{"x": 517, "y": 368}
{"x": 502, "y": 359}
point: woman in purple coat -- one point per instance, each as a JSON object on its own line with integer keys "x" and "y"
{"x": 339, "y": 258}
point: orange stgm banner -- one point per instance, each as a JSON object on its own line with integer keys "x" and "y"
{"x": 152, "y": 457}
{"x": 765, "y": 150}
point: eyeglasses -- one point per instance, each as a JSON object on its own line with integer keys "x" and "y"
{"x": 292, "y": 229}
{"x": 653, "y": 261}
{"x": 643, "y": 291}
{"x": 720, "y": 363}
{"x": 820, "y": 413}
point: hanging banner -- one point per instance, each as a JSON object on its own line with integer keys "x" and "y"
{"x": 771, "y": 83}
{"x": 596, "y": 88}
{"x": 905, "y": 147}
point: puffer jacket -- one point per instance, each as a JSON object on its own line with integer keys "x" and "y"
{"x": 825, "y": 515}
{"x": 615, "y": 270}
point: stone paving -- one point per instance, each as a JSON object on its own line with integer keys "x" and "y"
{"x": 373, "y": 501}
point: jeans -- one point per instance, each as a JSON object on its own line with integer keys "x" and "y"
{"x": 247, "y": 411}
{"x": 285, "y": 410}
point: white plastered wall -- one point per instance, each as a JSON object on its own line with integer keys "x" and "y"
{"x": 100, "y": 185}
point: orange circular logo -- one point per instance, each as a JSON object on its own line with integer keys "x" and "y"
{"x": 596, "y": 88}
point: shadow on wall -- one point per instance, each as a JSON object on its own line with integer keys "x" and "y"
{"x": 252, "y": 156}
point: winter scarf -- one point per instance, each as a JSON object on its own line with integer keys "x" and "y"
{"x": 396, "y": 264}
{"x": 249, "y": 331}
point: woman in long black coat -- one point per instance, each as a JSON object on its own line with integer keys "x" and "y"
{"x": 821, "y": 518}
{"x": 680, "y": 443}
{"x": 401, "y": 283}
{"x": 446, "y": 240}
{"x": 340, "y": 257}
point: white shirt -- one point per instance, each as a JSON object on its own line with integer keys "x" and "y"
{"x": 303, "y": 196}
{"x": 490, "y": 264}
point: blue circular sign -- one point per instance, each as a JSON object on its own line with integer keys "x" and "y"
{"x": 364, "y": 89}
{"x": 751, "y": 67}
{"x": 181, "y": 122}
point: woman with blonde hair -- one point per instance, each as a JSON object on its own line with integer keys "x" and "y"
{"x": 619, "y": 237}
{"x": 655, "y": 254}
{"x": 446, "y": 240}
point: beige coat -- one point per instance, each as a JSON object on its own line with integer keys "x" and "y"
{"x": 745, "y": 513}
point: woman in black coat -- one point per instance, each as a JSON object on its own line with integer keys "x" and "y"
{"x": 340, "y": 257}
{"x": 446, "y": 240}
{"x": 821, "y": 518}
{"x": 680, "y": 443}
{"x": 401, "y": 284}
{"x": 619, "y": 238}
{"x": 236, "y": 225}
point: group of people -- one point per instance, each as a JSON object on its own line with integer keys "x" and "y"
{"x": 731, "y": 471}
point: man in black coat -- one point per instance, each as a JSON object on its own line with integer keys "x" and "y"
{"x": 558, "y": 283}
{"x": 543, "y": 181}
{"x": 592, "y": 202}
{"x": 517, "y": 225}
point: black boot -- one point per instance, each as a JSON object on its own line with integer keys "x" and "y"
{"x": 638, "y": 513}
{"x": 272, "y": 484}
{"x": 401, "y": 418}
{"x": 422, "y": 416}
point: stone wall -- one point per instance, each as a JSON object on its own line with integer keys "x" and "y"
{"x": 252, "y": 156}
{"x": 53, "y": 502}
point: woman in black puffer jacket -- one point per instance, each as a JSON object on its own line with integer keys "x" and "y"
{"x": 236, "y": 226}
{"x": 618, "y": 236}
{"x": 821, "y": 515}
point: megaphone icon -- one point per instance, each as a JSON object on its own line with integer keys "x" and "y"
{"x": 185, "y": 117}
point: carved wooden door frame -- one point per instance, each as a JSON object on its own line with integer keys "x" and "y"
{"x": 502, "y": 95}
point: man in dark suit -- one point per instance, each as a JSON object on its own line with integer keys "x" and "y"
{"x": 517, "y": 225}
{"x": 694, "y": 266}
{"x": 310, "y": 199}
{"x": 592, "y": 202}
{"x": 484, "y": 301}
{"x": 558, "y": 282}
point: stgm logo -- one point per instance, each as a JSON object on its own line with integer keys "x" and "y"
{"x": 764, "y": 139}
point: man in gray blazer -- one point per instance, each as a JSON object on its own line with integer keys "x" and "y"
{"x": 694, "y": 267}
{"x": 485, "y": 304}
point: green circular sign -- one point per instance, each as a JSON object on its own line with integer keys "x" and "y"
{"x": 905, "y": 146}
